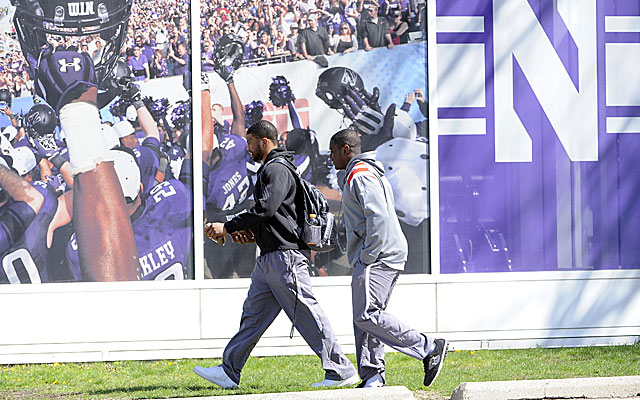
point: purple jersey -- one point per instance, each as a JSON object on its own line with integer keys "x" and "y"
{"x": 304, "y": 167}
{"x": 148, "y": 156}
{"x": 176, "y": 158}
{"x": 229, "y": 182}
{"x": 22, "y": 142}
{"x": 163, "y": 229}
{"x": 26, "y": 261}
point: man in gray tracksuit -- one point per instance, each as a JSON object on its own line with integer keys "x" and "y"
{"x": 280, "y": 279}
{"x": 377, "y": 251}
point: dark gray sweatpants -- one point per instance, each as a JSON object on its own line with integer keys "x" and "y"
{"x": 274, "y": 282}
{"x": 371, "y": 287}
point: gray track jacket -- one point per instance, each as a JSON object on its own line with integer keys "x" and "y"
{"x": 373, "y": 230}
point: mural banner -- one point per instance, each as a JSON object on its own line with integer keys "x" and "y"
{"x": 301, "y": 99}
{"x": 537, "y": 134}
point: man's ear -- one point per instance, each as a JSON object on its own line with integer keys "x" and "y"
{"x": 346, "y": 149}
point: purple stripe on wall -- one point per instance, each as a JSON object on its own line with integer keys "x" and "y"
{"x": 621, "y": 7}
{"x": 453, "y": 8}
{"x": 462, "y": 112}
{"x": 462, "y": 37}
{"x": 622, "y": 37}
{"x": 623, "y": 111}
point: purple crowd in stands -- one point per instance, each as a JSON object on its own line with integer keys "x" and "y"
{"x": 158, "y": 40}
{"x": 14, "y": 74}
{"x": 304, "y": 29}
{"x": 157, "y": 45}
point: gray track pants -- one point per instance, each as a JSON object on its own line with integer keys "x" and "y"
{"x": 273, "y": 287}
{"x": 371, "y": 288}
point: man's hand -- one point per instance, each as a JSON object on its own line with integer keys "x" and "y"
{"x": 243, "y": 237}
{"x": 410, "y": 97}
{"x": 390, "y": 46}
{"x": 419, "y": 95}
{"x": 64, "y": 76}
{"x": 216, "y": 232}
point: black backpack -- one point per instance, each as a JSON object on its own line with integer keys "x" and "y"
{"x": 320, "y": 233}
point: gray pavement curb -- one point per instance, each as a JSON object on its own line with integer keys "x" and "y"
{"x": 383, "y": 393}
{"x": 577, "y": 388}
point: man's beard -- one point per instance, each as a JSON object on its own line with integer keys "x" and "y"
{"x": 257, "y": 157}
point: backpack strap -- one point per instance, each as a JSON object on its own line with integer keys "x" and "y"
{"x": 300, "y": 197}
{"x": 288, "y": 164}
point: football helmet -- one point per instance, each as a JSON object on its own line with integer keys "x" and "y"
{"x": 333, "y": 85}
{"x": 5, "y": 98}
{"x": 39, "y": 21}
{"x": 227, "y": 56}
{"x": 126, "y": 166}
{"x": 23, "y": 160}
{"x": 10, "y": 132}
{"x": 121, "y": 76}
{"x": 403, "y": 125}
{"x": 301, "y": 141}
{"x": 41, "y": 120}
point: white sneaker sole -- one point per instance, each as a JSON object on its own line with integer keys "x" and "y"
{"x": 352, "y": 380}
{"x": 202, "y": 372}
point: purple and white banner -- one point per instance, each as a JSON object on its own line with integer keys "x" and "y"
{"x": 538, "y": 134}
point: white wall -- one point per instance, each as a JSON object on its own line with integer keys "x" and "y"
{"x": 157, "y": 320}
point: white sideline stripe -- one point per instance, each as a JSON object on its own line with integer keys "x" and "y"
{"x": 621, "y": 24}
{"x": 623, "y": 124}
{"x": 460, "y": 24}
{"x": 462, "y": 126}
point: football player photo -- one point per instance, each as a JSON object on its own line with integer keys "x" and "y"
{"x": 293, "y": 75}
{"x": 95, "y": 168}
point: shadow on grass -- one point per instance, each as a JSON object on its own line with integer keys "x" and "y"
{"x": 159, "y": 391}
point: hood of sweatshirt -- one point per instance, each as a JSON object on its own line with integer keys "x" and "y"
{"x": 281, "y": 152}
{"x": 370, "y": 158}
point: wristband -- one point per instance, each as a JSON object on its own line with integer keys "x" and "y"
{"x": 138, "y": 104}
{"x": 80, "y": 121}
{"x": 57, "y": 161}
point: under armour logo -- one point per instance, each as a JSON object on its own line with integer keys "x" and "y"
{"x": 64, "y": 64}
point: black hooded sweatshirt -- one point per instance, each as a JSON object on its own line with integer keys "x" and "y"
{"x": 273, "y": 217}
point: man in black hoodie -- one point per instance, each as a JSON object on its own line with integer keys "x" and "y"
{"x": 280, "y": 279}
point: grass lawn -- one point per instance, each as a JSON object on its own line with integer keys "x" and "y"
{"x": 173, "y": 378}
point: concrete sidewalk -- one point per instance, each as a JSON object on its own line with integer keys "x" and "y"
{"x": 623, "y": 387}
{"x": 616, "y": 388}
{"x": 383, "y": 393}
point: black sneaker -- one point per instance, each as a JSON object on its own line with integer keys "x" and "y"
{"x": 433, "y": 361}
